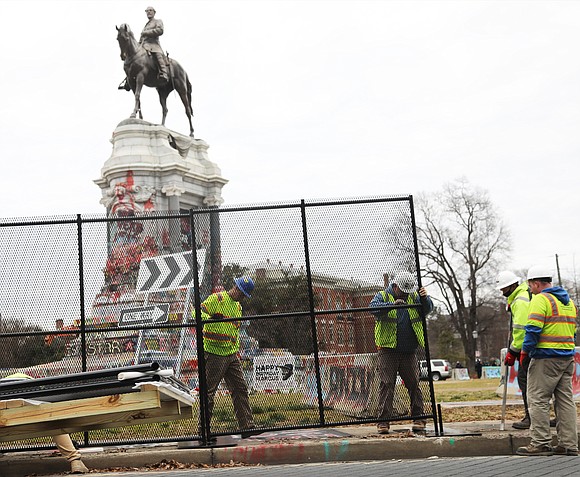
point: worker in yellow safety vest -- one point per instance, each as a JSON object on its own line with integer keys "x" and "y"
{"x": 518, "y": 301}
{"x": 549, "y": 344}
{"x": 399, "y": 335}
{"x": 221, "y": 344}
{"x": 63, "y": 441}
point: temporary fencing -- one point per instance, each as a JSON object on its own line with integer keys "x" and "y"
{"x": 88, "y": 293}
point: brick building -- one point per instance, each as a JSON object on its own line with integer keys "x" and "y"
{"x": 340, "y": 329}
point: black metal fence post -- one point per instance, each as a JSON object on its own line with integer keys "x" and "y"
{"x": 82, "y": 304}
{"x": 82, "y": 293}
{"x": 423, "y": 317}
{"x": 312, "y": 314}
{"x": 204, "y": 424}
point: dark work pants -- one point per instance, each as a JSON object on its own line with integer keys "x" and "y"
{"x": 230, "y": 369}
{"x": 389, "y": 363}
{"x": 523, "y": 384}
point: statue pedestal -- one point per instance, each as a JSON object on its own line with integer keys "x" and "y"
{"x": 167, "y": 171}
{"x": 155, "y": 170}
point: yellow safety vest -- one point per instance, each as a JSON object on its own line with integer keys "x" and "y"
{"x": 557, "y": 321}
{"x": 519, "y": 303}
{"x": 386, "y": 328}
{"x": 221, "y": 338}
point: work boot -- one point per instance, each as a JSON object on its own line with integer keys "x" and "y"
{"x": 77, "y": 467}
{"x": 523, "y": 424}
{"x": 561, "y": 450}
{"x": 383, "y": 427}
{"x": 419, "y": 426}
{"x": 553, "y": 422}
{"x": 533, "y": 450}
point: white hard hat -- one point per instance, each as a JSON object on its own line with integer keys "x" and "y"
{"x": 539, "y": 271}
{"x": 405, "y": 281}
{"x": 506, "y": 278}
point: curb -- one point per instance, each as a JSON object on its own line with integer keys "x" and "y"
{"x": 299, "y": 452}
{"x": 369, "y": 449}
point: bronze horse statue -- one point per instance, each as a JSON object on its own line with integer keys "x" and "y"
{"x": 141, "y": 69}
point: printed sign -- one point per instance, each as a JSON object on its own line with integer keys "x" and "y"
{"x": 274, "y": 373}
{"x": 147, "y": 315}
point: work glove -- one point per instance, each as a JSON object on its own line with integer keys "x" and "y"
{"x": 511, "y": 357}
{"x": 524, "y": 358}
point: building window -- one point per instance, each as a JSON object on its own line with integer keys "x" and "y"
{"x": 340, "y": 333}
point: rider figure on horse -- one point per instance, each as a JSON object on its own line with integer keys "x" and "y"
{"x": 150, "y": 41}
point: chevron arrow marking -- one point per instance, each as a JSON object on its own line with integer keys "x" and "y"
{"x": 154, "y": 274}
{"x": 168, "y": 272}
{"x": 174, "y": 270}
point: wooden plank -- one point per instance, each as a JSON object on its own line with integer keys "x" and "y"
{"x": 13, "y": 403}
{"x": 168, "y": 411}
{"x": 55, "y": 411}
{"x": 169, "y": 393}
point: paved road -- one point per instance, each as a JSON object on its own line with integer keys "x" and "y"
{"x": 500, "y": 466}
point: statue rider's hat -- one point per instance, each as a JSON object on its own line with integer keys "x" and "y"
{"x": 150, "y": 8}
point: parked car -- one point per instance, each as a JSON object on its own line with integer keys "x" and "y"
{"x": 440, "y": 369}
{"x": 164, "y": 359}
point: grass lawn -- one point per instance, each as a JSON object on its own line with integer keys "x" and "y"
{"x": 472, "y": 390}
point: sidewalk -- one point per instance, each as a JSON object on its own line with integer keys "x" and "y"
{"x": 351, "y": 443}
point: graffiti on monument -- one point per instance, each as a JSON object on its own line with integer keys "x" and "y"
{"x": 127, "y": 199}
{"x": 130, "y": 242}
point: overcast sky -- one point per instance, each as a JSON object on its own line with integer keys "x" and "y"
{"x": 312, "y": 99}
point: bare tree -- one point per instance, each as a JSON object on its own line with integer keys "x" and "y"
{"x": 26, "y": 350}
{"x": 461, "y": 240}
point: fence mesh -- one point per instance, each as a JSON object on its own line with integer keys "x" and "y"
{"x": 307, "y": 352}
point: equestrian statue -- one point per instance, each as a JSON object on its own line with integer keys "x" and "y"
{"x": 146, "y": 64}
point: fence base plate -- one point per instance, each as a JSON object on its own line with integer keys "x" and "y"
{"x": 222, "y": 441}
